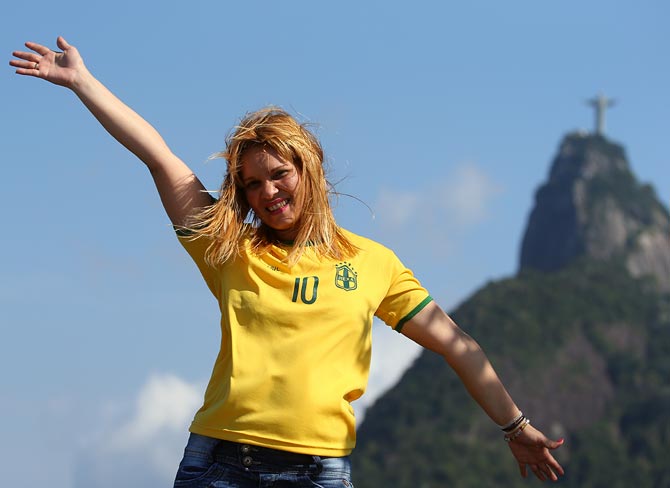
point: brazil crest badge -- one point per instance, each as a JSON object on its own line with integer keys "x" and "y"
{"x": 345, "y": 277}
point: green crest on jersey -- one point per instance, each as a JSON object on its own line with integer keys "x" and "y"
{"x": 345, "y": 277}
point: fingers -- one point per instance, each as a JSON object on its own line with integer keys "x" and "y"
{"x": 538, "y": 459}
{"x": 38, "y": 48}
{"x": 62, "y": 43}
{"x": 548, "y": 469}
{"x": 26, "y": 71}
{"x": 553, "y": 464}
{"x": 538, "y": 472}
{"x": 522, "y": 468}
{"x": 27, "y": 63}
{"x": 25, "y": 67}
{"x": 549, "y": 444}
{"x": 543, "y": 472}
{"x": 31, "y": 57}
{"x": 548, "y": 472}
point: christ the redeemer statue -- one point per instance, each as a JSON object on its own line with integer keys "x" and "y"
{"x": 600, "y": 103}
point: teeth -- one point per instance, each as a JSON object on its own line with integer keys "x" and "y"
{"x": 277, "y": 206}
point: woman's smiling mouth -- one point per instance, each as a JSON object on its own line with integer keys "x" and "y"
{"x": 278, "y": 207}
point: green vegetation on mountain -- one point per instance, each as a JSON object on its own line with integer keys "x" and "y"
{"x": 585, "y": 352}
{"x": 580, "y": 337}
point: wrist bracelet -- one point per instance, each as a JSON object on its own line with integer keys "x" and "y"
{"x": 510, "y": 436}
{"x": 511, "y": 426}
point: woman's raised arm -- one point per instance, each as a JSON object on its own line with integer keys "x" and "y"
{"x": 180, "y": 190}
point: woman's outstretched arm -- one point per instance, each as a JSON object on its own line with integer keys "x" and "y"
{"x": 180, "y": 191}
{"x": 435, "y": 330}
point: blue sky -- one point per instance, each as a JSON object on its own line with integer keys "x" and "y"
{"x": 442, "y": 117}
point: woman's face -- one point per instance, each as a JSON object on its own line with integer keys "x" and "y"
{"x": 271, "y": 187}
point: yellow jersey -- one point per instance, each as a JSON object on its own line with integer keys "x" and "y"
{"x": 296, "y": 342}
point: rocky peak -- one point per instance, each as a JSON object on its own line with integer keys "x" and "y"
{"x": 592, "y": 206}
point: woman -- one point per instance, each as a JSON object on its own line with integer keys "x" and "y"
{"x": 297, "y": 296}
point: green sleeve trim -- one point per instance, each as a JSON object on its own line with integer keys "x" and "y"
{"x": 182, "y": 231}
{"x": 415, "y": 311}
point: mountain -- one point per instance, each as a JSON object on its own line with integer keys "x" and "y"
{"x": 580, "y": 336}
{"x": 593, "y": 206}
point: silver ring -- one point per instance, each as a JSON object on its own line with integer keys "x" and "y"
{"x": 37, "y": 65}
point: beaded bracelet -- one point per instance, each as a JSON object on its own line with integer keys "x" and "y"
{"x": 517, "y": 432}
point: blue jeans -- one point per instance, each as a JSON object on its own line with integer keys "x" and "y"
{"x": 213, "y": 463}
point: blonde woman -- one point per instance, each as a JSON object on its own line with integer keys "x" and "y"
{"x": 297, "y": 296}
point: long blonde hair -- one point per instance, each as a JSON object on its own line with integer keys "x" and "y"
{"x": 224, "y": 221}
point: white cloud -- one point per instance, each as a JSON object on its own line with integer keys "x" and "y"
{"x": 437, "y": 213}
{"x": 396, "y": 208}
{"x": 146, "y": 449}
{"x": 392, "y": 353}
{"x": 166, "y": 403}
{"x": 461, "y": 198}
{"x": 468, "y": 194}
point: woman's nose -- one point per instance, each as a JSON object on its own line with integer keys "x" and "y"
{"x": 269, "y": 189}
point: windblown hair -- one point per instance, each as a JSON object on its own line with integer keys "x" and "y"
{"x": 225, "y": 222}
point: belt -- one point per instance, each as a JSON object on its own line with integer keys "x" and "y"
{"x": 249, "y": 456}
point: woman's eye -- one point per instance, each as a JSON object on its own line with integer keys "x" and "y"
{"x": 280, "y": 174}
{"x": 251, "y": 185}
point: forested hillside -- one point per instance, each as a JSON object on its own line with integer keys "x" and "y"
{"x": 582, "y": 343}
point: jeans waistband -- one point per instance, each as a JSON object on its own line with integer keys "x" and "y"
{"x": 250, "y": 456}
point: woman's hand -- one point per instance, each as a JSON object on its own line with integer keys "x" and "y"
{"x": 181, "y": 192}
{"x": 61, "y": 68}
{"x": 532, "y": 449}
